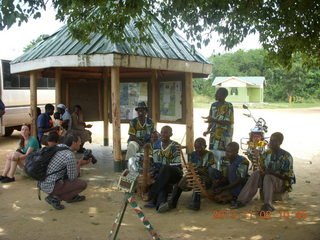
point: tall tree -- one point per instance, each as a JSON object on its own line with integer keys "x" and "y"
{"x": 285, "y": 27}
{"x": 240, "y": 63}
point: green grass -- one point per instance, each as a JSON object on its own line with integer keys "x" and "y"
{"x": 205, "y": 102}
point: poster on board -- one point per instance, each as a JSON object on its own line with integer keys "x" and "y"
{"x": 131, "y": 93}
{"x": 170, "y": 101}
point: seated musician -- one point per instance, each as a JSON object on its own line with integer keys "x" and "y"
{"x": 166, "y": 157}
{"x": 140, "y": 131}
{"x": 274, "y": 176}
{"x": 232, "y": 177}
{"x": 202, "y": 159}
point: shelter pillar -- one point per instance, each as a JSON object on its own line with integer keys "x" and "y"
{"x": 189, "y": 113}
{"x": 115, "y": 101}
{"x": 105, "y": 108}
{"x": 58, "y": 85}
{"x": 155, "y": 98}
{"x": 33, "y": 102}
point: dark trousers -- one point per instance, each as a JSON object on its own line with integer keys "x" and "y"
{"x": 214, "y": 174}
{"x": 167, "y": 175}
{"x": 66, "y": 189}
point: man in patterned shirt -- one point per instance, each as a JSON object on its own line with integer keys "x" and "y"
{"x": 166, "y": 155}
{"x": 61, "y": 182}
{"x": 203, "y": 160}
{"x": 220, "y": 125}
{"x": 275, "y": 175}
{"x": 229, "y": 182}
{"x": 140, "y": 131}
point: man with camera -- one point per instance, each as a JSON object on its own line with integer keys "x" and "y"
{"x": 61, "y": 182}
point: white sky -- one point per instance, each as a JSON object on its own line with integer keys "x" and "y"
{"x": 13, "y": 41}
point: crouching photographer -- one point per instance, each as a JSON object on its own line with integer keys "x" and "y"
{"x": 61, "y": 182}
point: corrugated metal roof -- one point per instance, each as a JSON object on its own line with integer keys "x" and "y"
{"x": 256, "y": 80}
{"x": 163, "y": 46}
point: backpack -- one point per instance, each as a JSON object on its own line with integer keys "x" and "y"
{"x": 37, "y": 162}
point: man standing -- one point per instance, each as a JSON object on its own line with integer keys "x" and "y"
{"x": 275, "y": 175}
{"x": 220, "y": 125}
{"x": 61, "y": 182}
{"x": 140, "y": 131}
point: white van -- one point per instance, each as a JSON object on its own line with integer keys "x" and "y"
{"x": 15, "y": 94}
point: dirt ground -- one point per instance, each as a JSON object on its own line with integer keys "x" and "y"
{"x": 23, "y": 216}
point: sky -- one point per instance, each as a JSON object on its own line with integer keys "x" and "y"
{"x": 13, "y": 41}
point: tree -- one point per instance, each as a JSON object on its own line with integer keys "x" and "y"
{"x": 285, "y": 27}
{"x": 299, "y": 82}
{"x": 240, "y": 63}
{"x": 35, "y": 41}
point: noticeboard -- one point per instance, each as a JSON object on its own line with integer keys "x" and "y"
{"x": 131, "y": 93}
{"x": 171, "y": 101}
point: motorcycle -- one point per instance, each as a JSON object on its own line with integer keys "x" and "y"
{"x": 256, "y": 144}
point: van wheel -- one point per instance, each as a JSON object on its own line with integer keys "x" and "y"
{"x": 8, "y": 131}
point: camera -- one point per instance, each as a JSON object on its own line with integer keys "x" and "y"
{"x": 88, "y": 154}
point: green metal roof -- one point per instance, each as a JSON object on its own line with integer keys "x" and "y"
{"x": 257, "y": 80}
{"x": 164, "y": 46}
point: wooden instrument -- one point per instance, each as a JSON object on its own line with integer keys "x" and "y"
{"x": 194, "y": 180}
{"x": 145, "y": 180}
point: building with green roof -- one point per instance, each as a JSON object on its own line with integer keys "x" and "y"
{"x": 242, "y": 89}
{"x": 109, "y": 79}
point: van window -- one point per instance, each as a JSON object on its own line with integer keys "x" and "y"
{"x": 16, "y": 81}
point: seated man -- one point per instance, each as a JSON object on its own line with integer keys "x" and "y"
{"x": 61, "y": 182}
{"x": 65, "y": 116}
{"x": 202, "y": 159}
{"x": 44, "y": 126}
{"x": 78, "y": 126}
{"x": 140, "y": 131}
{"x": 275, "y": 175}
{"x": 228, "y": 183}
{"x": 166, "y": 155}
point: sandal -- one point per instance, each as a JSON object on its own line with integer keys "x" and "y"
{"x": 54, "y": 202}
{"x": 266, "y": 210}
{"x": 76, "y": 198}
